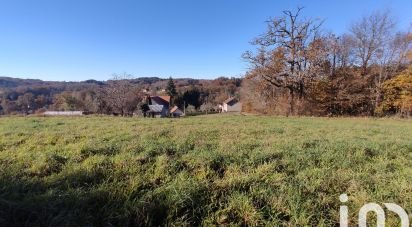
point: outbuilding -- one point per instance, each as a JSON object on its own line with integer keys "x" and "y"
{"x": 232, "y": 105}
{"x": 176, "y": 112}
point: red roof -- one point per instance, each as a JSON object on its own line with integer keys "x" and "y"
{"x": 166, "y": 98}
{"x": 161, "y": 100}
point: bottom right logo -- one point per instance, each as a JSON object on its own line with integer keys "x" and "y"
{"x": 372, "y": 207}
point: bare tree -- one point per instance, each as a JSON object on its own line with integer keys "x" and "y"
{"x": 26, "y": 102}
{"x": 389, "y": 57}
{"x": 345, "y": 52}
{"x": 283, "y": 57}
{"x": 121, "y": 95}
{"x": 370, "y": 34}
{"x": 409, "y": 52}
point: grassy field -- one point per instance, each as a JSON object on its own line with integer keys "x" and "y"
{"x": 206, "y": 170}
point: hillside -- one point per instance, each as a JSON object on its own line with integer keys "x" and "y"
{"x": 24, "y": 96}
{"x": 12, "y": 83}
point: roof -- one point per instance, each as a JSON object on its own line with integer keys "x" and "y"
{"x": 175, "y": 109}
{"x": 155, "y": 108}
{"x": 231, "y": 101}
{"x": 165, "y": 100}
{"x": 165, "y": 97}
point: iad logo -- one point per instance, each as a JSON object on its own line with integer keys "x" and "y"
{"x": 372, "y": 207}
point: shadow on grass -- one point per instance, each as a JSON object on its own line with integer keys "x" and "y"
{"x": 82, "y": 199}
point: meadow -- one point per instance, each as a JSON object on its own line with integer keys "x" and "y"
{"x": 200, "y": 171}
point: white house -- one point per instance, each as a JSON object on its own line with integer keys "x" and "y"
{"x": 232, "y": 105}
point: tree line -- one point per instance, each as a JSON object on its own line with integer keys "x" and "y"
{"x": 298, "y": 69}
{"x": 122, "y": 95}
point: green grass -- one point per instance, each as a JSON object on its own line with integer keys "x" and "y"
{"x": 208, "y": 170}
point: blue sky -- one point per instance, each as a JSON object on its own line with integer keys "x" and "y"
{"x": 91, "y": 39}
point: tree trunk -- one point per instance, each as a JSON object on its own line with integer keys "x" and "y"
{"x": 291, "y": 100}
{"x": 377, "y": 99}
{"x": 364, "y": 69}
{"x": 378, "y": 92}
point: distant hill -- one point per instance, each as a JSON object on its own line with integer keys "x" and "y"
{"x": 10, "y": 82}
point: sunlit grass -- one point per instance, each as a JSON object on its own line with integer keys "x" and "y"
{"x": 208, "y": 170}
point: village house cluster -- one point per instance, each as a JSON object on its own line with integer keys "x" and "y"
{"x": 160, "y": 106}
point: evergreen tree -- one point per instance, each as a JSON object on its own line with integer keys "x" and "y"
{"x": 145, "y": 108}
{"x": 171, "y": 88}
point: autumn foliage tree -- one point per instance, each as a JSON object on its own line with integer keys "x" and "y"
{"x": 398, "y": 94}
{"x": 287, "y": 55}
{"x": 322, "y": 73}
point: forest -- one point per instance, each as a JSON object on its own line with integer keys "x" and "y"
{"x": 297, "y": 68}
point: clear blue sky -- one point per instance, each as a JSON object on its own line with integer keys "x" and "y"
{"x": 76, "y": 40}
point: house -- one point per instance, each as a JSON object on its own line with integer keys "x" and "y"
{"x": 232, "y": 105}
{"x": 158, "y": 106}
{"x": 157, "y": 111}
{"x": 176, "y": 112}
